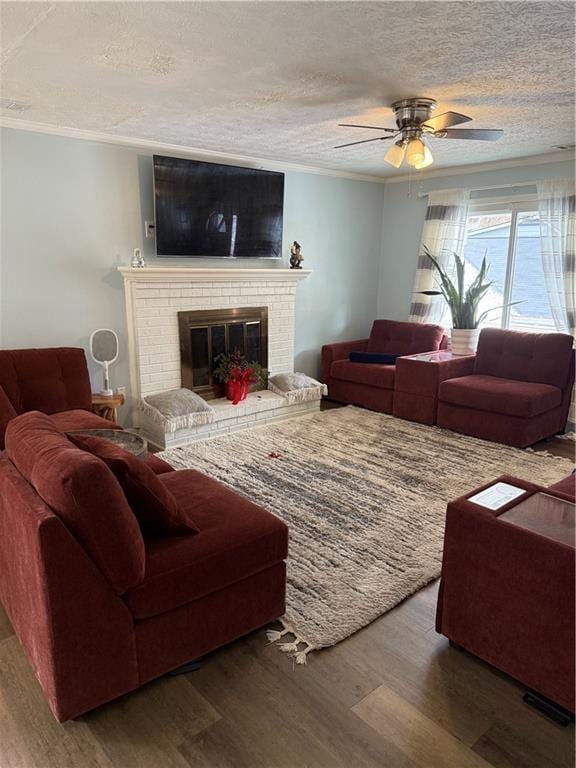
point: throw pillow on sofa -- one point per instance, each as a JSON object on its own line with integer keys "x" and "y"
{"x": 382, "y": 358}
{"x": 155, "y": 508}
{"x": 83, "y": 493}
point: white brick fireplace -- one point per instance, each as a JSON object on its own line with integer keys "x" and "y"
{"x": 154, "y": 296}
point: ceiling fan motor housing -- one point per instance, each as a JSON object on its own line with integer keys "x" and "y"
{"x": 410, "y": 113}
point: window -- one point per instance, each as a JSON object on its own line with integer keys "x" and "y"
{"x": 509, "y": 236}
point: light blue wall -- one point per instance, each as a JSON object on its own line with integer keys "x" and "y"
{"x": 73, "y": 210}
{"x": 404, "y": 217}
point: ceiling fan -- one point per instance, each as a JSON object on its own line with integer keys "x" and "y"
{"x": 415, "y": 126}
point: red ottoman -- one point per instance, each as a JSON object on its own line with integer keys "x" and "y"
{"x": 507, "y": 589}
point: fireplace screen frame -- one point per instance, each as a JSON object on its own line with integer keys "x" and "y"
{"x": 207, "y": 318}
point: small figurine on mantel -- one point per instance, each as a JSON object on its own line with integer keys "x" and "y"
{"x": 296, "y": 257}
{"x": 137, "y": 259}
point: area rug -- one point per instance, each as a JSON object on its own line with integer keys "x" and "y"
{"x": 364, "y": 495}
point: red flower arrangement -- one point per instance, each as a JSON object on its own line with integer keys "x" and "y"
{"x": 238, "y": 384}
{"x": 237, "y": 375}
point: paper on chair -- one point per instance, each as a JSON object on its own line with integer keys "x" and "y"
{"x": 497, "y": 495}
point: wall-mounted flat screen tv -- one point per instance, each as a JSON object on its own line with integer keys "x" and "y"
{"x": 217, "y": 211}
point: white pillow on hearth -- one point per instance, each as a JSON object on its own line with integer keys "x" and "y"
{"x": 177, "y": 409}
{"x": 297, "y": 387}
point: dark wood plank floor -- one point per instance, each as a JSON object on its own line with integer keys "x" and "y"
{"x": 395, "y": 695}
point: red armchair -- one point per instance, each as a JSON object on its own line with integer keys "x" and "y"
{"x": 519, "y": 391}
{"x": 507, "y": 592}
{"x": 371, "y": 385}
{"x": 101, "y": 608}
{"x": 54, "y": 381}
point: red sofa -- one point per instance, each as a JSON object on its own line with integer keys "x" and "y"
{"x": 507, "y": 593}
{"x": 371, "y": 385}
{"x": 54, "y": 381}
{"x": 519, "y": 391}
{"x": 101, "y": 608}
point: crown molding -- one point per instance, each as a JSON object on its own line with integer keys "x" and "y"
{"x": 181, "y": 150}
{"x": 493, "y": 165}
{"x": 227, "y": 158}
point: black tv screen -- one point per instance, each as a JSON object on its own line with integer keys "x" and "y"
{"x": 210, "y": 210}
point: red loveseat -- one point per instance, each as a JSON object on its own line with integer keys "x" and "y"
{"x": 371, "y": 385}
{"x": 507, "y": 593}
{"x": 519, "y": 392}
{"x": 54, "y": 381}
{"x": 100, "y": 608}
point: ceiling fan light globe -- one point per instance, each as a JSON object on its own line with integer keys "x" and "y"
{"x": 428, "y": 159}
{"x": 395, "y": 155}
{"x": 416, "y": 153}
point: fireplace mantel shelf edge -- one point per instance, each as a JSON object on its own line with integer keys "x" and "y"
{"x": 210, "y": 274}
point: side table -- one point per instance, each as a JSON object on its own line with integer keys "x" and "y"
{"x": 128, "y": 441}
{"x": 417, "y": 380}
{"x": 507, "y": 588}
{"x": 107, "y": 406}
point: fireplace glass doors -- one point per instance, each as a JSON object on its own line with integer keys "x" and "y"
{"x": 205, "y": 334}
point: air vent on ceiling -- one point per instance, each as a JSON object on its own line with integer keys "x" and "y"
{"x": 13, "y": 105}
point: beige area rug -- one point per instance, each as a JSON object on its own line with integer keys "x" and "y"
{"x": 364, "y": 495}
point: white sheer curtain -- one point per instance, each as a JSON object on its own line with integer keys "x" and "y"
{"x": 444, "y": 232}
{"x": 556, "y": 203}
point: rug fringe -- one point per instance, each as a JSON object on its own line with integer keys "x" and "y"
{"x": 547, "y": 454}
{"x": 273, "y": 635}
{"x": 291, "y": 648}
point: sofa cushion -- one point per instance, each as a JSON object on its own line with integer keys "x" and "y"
{"x": 70, "y": 421}
{"x": 47, "y": 380}
{"x": 236, "y": 539}
{"x": 372, "y": 374}
{"x": 156, "y": 509}
{"x": 83, "y": 493}
{"x": 543, "y": 358}
{"x": 404, "y": 338}
{"x": 507, "y": 396}
{"x": 7, "y": 413}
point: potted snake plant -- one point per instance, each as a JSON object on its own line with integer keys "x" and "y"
{"x": 463, "y": 302}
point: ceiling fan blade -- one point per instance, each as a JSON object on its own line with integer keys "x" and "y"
{"x": 479, "y": 134}
{"x": 373, "y": 127}
{"x": 446, "y": 119}
{"x": 364, "y": 141}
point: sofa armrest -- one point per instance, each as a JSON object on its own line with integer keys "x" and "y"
{"x": 456, "y": 367}
{"x": 339, "y": 351}
{"x": 77, "y": 634}
{"x": 158, "y": 465}
{"x": 7, "y": 413}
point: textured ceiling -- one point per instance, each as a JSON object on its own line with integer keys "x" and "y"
{"x": 272, "y": 80}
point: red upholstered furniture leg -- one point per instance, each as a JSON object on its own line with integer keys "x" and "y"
{"x": 507, "y": 595}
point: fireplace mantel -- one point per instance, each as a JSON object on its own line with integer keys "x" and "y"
{"x": 210, "y": 274}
